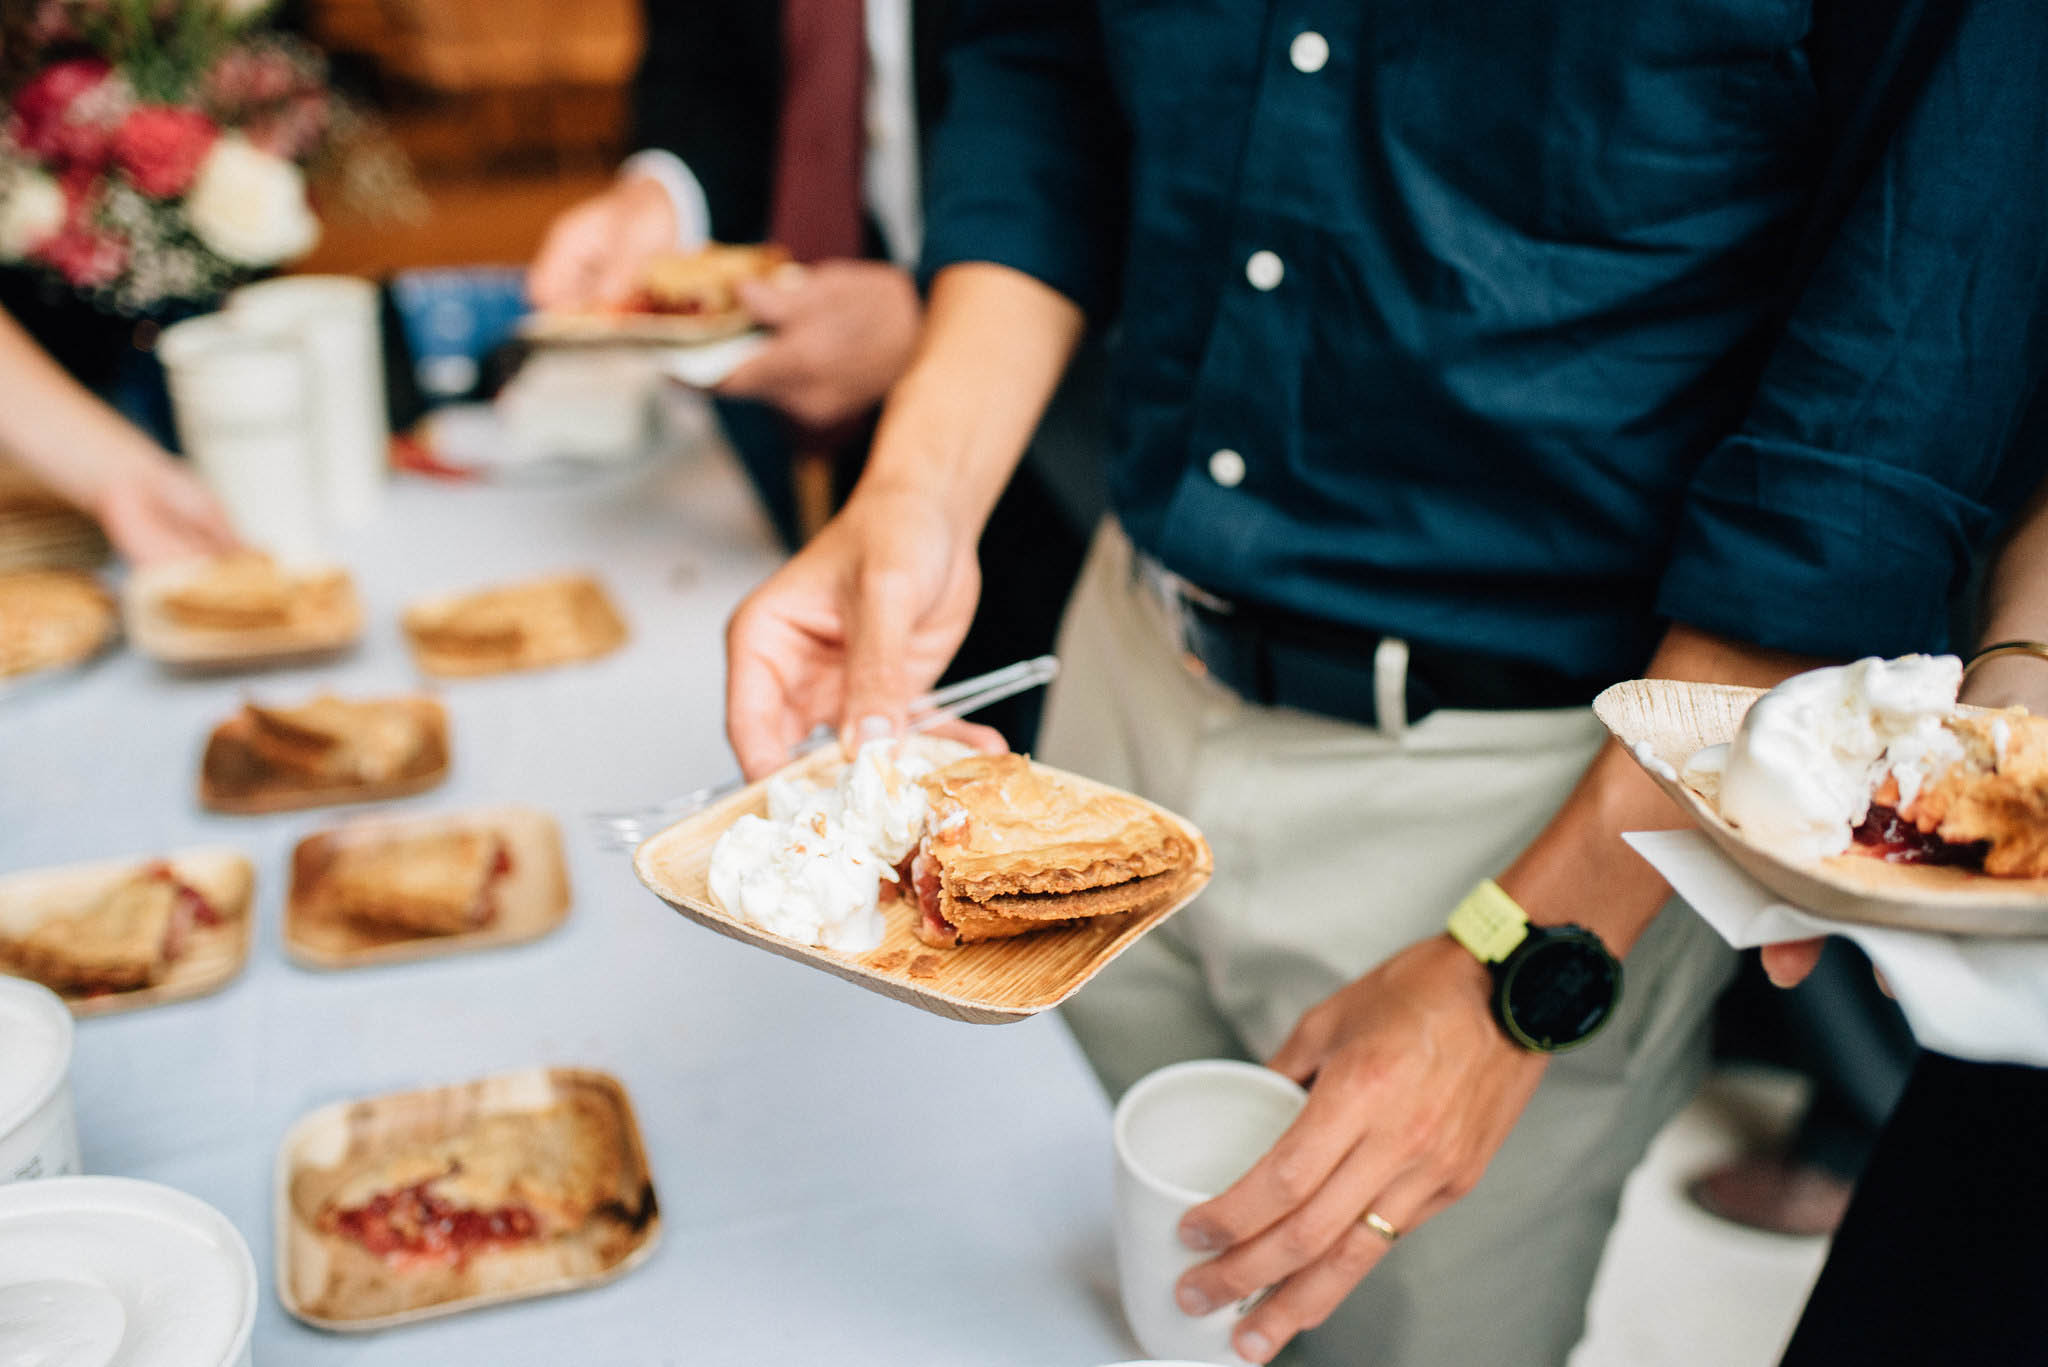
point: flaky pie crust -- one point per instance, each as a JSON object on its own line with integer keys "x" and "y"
{"x": 1996, "y": 793}
{"x": 1029, "y": 830}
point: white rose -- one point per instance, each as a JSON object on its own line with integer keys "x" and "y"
{"x": 30, "y": 215}
{"x": 249, "y": 206}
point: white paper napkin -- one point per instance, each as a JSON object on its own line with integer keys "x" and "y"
{"x": 707, "y": 365}
{"x": 1978, "y": 998}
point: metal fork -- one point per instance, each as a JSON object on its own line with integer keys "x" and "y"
{"x": 624, "y": 830}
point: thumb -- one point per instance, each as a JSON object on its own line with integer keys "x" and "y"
{"x": 884, "y": 611}
{"x": 1787, "y": 963}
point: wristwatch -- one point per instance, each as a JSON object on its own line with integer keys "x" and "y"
{"x": 1553, "y": 986}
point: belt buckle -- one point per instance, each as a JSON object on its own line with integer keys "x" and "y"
{"x": 1177, "y": 597}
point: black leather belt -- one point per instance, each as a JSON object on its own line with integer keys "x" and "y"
{"x": 1283, "y": 660}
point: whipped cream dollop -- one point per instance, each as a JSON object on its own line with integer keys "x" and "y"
{"x": 109, "y": 1272}
{"x": 812, "y": 870}
{"x": 1798, "y": 776}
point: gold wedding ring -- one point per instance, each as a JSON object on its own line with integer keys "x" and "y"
{"x": 1380, "y": 1225}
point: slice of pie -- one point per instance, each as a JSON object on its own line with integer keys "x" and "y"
{"x": 1987, "y": 810}
{"x": 704, "y": 283}
{"x": 437, "y": 883}
{"x": 330, "y": 740}
{"x": 1011, "y": 848}
{"x": 506, "y": 1179}
{"x": 516, "y": 626}
{"x": 126, "y": 940}
{"x": 249, "y": 591}
{"x": 51, "y": 618}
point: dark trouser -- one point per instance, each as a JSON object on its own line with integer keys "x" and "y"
{"x": 1031, "y": 553}
{"x": 1841, "y": 1031}
{"x": 1943, "y": 1257}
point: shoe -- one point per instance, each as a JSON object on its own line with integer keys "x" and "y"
{"x": 1774, "y": 1195}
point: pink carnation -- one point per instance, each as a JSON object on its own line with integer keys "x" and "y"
{"x": 160, "y": 147}
{"x": 43, "y": 107}
{"x": 85, "y": 256}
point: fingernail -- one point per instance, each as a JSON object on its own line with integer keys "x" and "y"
{"x": 874, "y": 728}
{"x": 1200, "y": 1238}
{"x": 1253, "y": 1346}
{"x": 1192, "y": 1301}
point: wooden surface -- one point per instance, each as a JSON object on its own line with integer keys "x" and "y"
{"x": 532, "y": 898}
{"x": 1673, "y": 721}
{"x": 472, "y": 220}
{"x": 992, "y": 983}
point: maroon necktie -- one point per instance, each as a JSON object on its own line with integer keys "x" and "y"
{"x": 818, "y": 155}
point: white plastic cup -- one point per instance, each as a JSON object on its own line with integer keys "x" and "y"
{"x": 333, "y": 318}
{"x": 244, "y": 410}
{"x": 113, "y": 1271}
{"x": 1183, "y": 1134}
{"x": 38, "y": 1129}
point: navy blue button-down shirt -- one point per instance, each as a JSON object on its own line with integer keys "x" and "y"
{"x": 1502, "y": 375}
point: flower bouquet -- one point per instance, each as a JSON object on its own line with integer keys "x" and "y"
{"x": 158, "y": 151}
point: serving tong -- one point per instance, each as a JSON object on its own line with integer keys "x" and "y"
{"x": 624, "y": 830}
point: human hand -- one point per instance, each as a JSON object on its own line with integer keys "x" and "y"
{"x": 154, "y": 510}
{"x": 843, "y": 334}
{"x": 1788, "y": 962}
{"x": 857, "y": 623}
{"x": 594, "y": 250}
{"x": 1414, "y": 1090}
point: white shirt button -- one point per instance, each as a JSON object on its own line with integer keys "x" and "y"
{"x": 1264, "y": 270}
{"x": 1309, "y": 51}
{"x": 1226, "y": 467}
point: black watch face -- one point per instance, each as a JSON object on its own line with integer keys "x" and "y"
{"x": 1558, "y": 990}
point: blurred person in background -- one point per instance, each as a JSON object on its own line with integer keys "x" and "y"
{"x": 801, "y": 123}
{"x": 150, "y": 507}
{"x": 1851, "y": 1044}
{"x": 1942, "y": 1256}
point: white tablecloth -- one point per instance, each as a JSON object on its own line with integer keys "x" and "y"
{"x": 844, "y": 1180}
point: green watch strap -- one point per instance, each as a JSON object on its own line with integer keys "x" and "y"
{"x": 1489, "y": 922}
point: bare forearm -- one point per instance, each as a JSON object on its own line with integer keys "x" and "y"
{"x": 993, "y": 347}
{"x": 2016, "y": 596}
{"x": 56, "y": 427}
{"x": 1579, "y": 869}
{"x": 2016, "y": 609}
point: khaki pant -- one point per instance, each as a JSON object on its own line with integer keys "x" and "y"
{"x": 1337, "y": 845}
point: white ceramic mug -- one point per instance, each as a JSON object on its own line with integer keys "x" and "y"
{"x": 242, "y": 401}
{"x": 1183, "y": 1135}
{"x": 333, "y": 319}
{"x": 38, "y": 1130}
